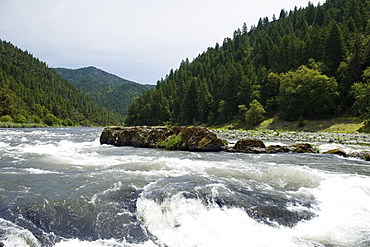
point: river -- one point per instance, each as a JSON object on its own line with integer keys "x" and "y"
{"x": 60, "y": 187}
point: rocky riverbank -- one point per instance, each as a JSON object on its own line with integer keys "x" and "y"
{"x": 298, "y": 137}
{"x": 234, "y": 135}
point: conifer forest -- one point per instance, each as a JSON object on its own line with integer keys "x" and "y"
{"x": 311, "y": 62}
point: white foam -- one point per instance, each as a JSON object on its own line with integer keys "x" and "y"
{"x": 269, "y": 143}
{"x": 288, "y": 176}
{"x": 343, "y": 217}
{"x": 65, "y": 152}
{"x": 187, "y": 222}
{"x": 101, "y": 243}
{"x": 16, "y": 236}
{"x": 39, "y": 171}
{"x": 344, "y": 147}
{"x": 3, "y": 144}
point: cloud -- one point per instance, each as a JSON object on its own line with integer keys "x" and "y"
{"x": 140, "y": 40}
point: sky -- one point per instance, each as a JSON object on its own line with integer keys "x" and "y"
{"x": 139, "y": 40}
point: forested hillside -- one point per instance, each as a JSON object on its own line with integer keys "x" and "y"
{"x": 105, "y": 89}
{"x": 311, "y": 62}
{"x": 30, "y": 92}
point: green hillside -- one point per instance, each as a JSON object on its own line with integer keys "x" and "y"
{"x": 103, "y": 88}
{"x": 308, "y": 63}
{"x": 30, "y": 92}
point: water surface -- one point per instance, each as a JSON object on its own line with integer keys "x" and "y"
{"x": 60, "y": 187}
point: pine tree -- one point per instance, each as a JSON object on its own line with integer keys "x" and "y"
{"x": 283, "y": 14}
{"x": 334, "y": 48}
{"x": 190, "y": 103}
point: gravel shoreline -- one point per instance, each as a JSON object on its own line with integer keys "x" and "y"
{"x": 341, "y": 138}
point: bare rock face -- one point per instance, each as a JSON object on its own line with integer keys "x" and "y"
{"x": 190, "y": 139}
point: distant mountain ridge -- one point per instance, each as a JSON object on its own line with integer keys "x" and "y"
{"x": 32, "y": 93}
{"x": 105, "y": 89}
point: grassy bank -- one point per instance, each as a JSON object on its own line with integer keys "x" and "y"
{"x": 338, "y": 125}
{"x": 333, "y": 125}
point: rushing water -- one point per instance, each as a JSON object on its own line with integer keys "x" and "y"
{"x": 60, "y": 187}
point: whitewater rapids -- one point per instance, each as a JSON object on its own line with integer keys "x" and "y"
{"x": 60, "y": 187}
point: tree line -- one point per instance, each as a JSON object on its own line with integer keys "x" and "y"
{"x": 30, "y": 92}
{"x": 311, "y": 62}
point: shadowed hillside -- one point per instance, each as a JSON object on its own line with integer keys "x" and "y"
{"x": 103, "y": 88}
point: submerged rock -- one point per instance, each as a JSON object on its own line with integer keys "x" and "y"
{"x": 336, "y": 152}
{"x": 364, "y": 155}
{"x": 190, "y": 139}
{"x": 361, "y": 155}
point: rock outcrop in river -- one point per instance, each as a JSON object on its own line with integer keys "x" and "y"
{"x": 178, "y": 138}
{"x": 189, "y": 139}
{"x": 201, "y": 139}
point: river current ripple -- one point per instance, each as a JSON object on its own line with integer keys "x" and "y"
{"x": 60, "y": 187}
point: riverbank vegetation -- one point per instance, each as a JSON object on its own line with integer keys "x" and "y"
{"x": 310, "y": 63}
{"x": 329, "y": 125}
{"x": 31, "y": 94}
{"x": 21, "y": 125}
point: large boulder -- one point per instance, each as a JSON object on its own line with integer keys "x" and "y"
{"x": 191, "y": 139}
{"x": 302, "y": 148}
{"x": 249, "y": 146}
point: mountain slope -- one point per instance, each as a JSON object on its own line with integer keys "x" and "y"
{"x": 30, "y": 92}
{"x": 103, "y": 88}
{"x": 311, "y": 62}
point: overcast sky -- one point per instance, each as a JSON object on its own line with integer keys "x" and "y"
{"x": 139, "y": 40}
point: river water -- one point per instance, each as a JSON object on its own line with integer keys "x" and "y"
{"x": 60, "y": 187}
